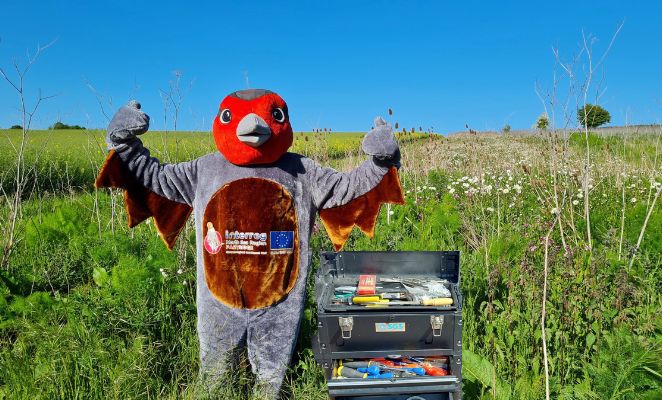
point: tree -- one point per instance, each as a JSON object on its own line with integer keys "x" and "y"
{"x": 592, "y": 116}
{"x": 506, "y": 128}
{"x": 16, "y": 127}
{"x": 543, "y": 122}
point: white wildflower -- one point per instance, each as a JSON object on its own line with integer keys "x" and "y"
{"x": 180, "y": 271}
{"x": 184, "y": 283}
{"x": 391, "y": 212}
{"x": 451, "y": 190}
{"x": 555, "y": 211}
{"x": 633, "y": 200}
{"x": 506, "y": 190}
{"x": 580, "y": 195}
{"x": 465, "y": 184}
{"x": 490, "y": 209}
{"x": 575, "y": 202}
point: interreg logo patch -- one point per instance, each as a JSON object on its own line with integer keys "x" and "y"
{"x": 236, "y": 235}
{"x": 281, "y": 240}
{"x": 238, "y": 242}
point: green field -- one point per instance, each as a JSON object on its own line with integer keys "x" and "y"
{"x": 92, "y": 310}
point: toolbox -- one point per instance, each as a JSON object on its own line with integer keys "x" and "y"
{"x": 392, "y": 341}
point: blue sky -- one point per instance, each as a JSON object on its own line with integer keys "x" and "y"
{"x": 337, "y": 63}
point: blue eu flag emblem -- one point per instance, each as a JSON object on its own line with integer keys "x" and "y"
{"x": 281, "y": 240}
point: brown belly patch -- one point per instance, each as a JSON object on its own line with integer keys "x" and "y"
{"x": 251, "y": 245}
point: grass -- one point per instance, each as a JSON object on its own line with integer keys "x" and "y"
{"x": 63, "y": 160}
{"x": 90, "y": 309}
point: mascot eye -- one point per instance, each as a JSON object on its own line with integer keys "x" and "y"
{"x": 226, "y": 116}
{"x": 278, "y": 114}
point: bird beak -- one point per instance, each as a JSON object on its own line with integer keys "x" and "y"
{"x": 253, "y": 130}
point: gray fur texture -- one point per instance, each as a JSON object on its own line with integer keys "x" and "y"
{"x": 269, "y": 333}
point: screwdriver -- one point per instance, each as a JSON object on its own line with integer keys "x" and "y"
{"x": 348, "y": 372}
{"x": 375, "y": 300}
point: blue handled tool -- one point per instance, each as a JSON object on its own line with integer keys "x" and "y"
{"x": 372, "y": 370}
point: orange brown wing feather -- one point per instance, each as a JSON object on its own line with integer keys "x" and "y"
{"x": 362, "y": 211}
{"x": 141, "y": 203}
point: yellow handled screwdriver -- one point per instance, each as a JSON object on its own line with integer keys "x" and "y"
{"x": 367, "y": 299}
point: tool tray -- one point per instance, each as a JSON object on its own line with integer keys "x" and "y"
{"x": 357, "y": 332}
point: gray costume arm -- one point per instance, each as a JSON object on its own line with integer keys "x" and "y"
{"x": 175, "y": 182}
{"x": 331, "y": 188}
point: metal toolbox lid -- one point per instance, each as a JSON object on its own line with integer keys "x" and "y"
{"x": 441, "y": 264}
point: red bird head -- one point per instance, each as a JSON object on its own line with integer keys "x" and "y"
{"x": 252, "y": 127}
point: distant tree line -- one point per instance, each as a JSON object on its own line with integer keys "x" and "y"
{"x": 60, "y": 125}
{"x": 57, "y": 125}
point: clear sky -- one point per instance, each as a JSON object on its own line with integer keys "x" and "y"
{"x": 337, "y": 63}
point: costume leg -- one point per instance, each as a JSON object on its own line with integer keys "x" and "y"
{"x": 222, "y": 332}
{"x": 272, "y": 334}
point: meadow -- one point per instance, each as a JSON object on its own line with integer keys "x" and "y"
{"x": 90, "y": 309}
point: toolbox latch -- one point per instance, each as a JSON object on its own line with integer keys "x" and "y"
{"x": 346, "y": 325}
{"x": 437, "y": 322}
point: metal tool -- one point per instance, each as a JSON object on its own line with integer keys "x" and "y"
{"x": 441, "y": 301}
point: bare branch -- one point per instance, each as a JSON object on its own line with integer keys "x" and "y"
{"x": 611, "y": 43}
{"x": 20, "y": 176}
{"x": 100, "y": 99}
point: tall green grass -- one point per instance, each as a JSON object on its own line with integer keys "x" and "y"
{"x": 90, "y": 309}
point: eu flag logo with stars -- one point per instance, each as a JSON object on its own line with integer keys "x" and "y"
{"x": 281, "y": 240}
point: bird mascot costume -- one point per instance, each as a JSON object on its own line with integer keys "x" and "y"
{"x": 254, "y": 205}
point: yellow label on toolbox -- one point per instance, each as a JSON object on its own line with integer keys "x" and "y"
{"x": 390, "y": 327}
